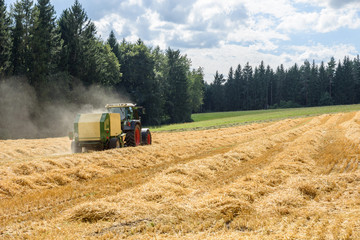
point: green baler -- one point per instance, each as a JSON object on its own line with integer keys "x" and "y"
{"x": 119, "y": 127}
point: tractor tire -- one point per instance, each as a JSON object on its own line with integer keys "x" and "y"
{"x": 114, "y": 143}
{"x": 133, "y": 138}
{"x": 75, "y": 148}
{"x": 146, "y": 136}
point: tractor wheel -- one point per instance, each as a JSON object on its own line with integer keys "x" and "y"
{"x": 75, "y": 148}
{"x": 114, "y": 143}
{"x": 146, "y": 136}
{"x": 133, "y": 137}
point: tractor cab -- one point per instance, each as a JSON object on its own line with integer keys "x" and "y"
{"x": 131, "y": 122}
{"x": 128, "y": 111}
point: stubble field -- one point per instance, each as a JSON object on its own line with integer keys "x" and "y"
{"x": 289, "y": 179}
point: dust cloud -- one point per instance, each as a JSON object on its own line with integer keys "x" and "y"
{"x": 23, "y": 114}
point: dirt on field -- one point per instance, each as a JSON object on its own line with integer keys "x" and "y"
{"x": 290, "y": 179}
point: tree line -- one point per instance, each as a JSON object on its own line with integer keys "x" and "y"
{"x": 56, "y": 54}
{"x": 307, "y": 85}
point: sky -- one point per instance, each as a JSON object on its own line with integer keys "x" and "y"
{"x": 217, "y": 35}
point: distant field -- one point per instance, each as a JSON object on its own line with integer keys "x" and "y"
{"x": 227, "y": 119}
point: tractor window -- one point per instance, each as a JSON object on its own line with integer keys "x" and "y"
{"x": 122, "y": 113}
{"x": 118, "y": 110}
{"x": 114, "y": 110}
{"x": 129, "y": 113}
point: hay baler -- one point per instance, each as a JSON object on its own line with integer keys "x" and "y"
{"x": 119, "y": 127}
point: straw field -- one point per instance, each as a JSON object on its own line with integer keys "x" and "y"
{"x": 290, "y": 179}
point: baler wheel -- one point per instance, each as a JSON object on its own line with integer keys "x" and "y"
{"x": 114, "y": 143}
{"x": 75, "y": 148}
{"x": 146, "y": 136}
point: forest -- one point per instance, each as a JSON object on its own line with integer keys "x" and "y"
{"x": 57, "y": 54}
{"x": 311, "y": 84}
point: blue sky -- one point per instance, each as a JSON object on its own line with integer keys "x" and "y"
{"x": 219, "y": 34}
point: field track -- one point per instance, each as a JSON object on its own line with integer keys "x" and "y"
{"x": 289, "y": 179}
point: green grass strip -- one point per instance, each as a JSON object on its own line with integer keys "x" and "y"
{"x": 228, "y": 119}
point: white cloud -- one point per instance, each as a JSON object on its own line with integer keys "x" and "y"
{"x": 226, "y": 56}
{"x": 342, "y": 3}
{"x": 219, "y": 34}
{"x": 275, "y": 8}
{"x": 108, "y": 23}
{"x": 326, "y": 20}
{"x": 320, "y": 52}
{"x": 331, "y": 3}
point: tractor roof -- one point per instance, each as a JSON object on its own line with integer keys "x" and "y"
{"x": 116, "y": 105}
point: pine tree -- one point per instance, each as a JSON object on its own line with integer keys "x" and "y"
{"x": 323, "y": 80}
{"x": 17, "y": 34}
{"x": 255, "y": 90}
{"x": 5, "y": 40}
{"x": 344, "y": 85}
{"x": 280, "y": 77}
{"x": 325, "y": 97}
{"x": 230, "y": 91}
{"x": 330, "y": 70}
{"x": 114, "y": 45}
{"x": 22, "y": 13}
{"x": 79, "y": 47}
{"x": 271, "y": 86}
{"x": 262, "y": 87}
{"x": 238, "y": 88}
{"x": 43, "y": 43}
{"x": 356, "y": 71}
{"x": 305, "y": 82}
{"x": 218, "y": 92}
{"x": 248, "y": 82}
{"x": 349, "y": 81}
{"x": 179, "y": 108}
{"x": 314, "y": 85}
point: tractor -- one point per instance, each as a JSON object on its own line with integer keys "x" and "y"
{"x": 120, "y": 126}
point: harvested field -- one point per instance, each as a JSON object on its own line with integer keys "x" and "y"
{"x": 290, "y": 179}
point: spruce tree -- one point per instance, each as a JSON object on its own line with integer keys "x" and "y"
{"x": 114, "y": 45}
{"x": 280, "y": 77}
{"x": 271, "y": 86}
{"x": 314, "y": 85}
{"x": 262, "y": 87}
{"x": 17, "y": 34}
{"x": 305, "y": 82}
{"x": 178, "y": 95}
{"x": 230, "y": 91}
{"x": 248, "y": 82}
{"x": 218, "y": 92}
{"x": 43, "y": 43}
{"x": 238, "y": 88}
{"x": 330, "y": 70}
{"x": 5, "y": 40}
{"x": 79, "y": 47}
{"x": 325, "y": 97}
{"x": 356, "y": 71}
{"x": 22, "y": 14}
